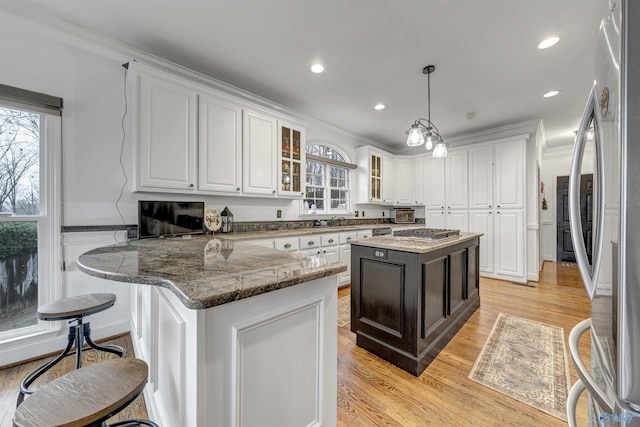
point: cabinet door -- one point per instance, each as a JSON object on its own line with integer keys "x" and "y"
{"x": 220, "y": 145}
{"x": 510, "y": 175}
{"x": 481, "y": 178}
{"x": 457, "y": 220}
{"x": 259, "y": 153}
{"x": 456, "y": 178}
{"x": 291, "y": 165}
{"x": 331, "y": 254}
{"x": 404, "y": 182}
{"x": 419, "y": 178}
{"x": 375, "y": 177}
{"x": 435, "y": 219}
{"x": 345, "y": 257}
{"x": 167, "y": 145}
{"x": 435, "y": 183}
{"x": 481, "y": 221}
{"x": 388, "y": 180}
{"x": 509, "y": 243}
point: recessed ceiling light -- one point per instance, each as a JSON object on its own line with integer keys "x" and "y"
{"x": 379, "y": 107}
{"x": 547, "y": 43}
{"x": 317, "y": 68}
{"x": 551, "y": 93}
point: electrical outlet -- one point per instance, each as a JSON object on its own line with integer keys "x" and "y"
{"x": 279, "y": 214}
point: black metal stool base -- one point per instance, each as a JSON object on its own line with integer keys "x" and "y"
{"x": 78, "y": 334}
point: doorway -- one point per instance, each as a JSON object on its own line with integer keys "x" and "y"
{"x": 564, "y": 244}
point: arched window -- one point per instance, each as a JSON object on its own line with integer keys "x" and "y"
{"x": 327, "y": 180}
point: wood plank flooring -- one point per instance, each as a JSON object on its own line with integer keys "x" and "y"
{"x": 372, "y": 392}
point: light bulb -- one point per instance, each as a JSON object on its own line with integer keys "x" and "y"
{"x": 429, "y": 142}
{"x": 440, "y": 150}
{"x": 415, "y": 138}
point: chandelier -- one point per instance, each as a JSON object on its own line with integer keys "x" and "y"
{"x": 423, "y": 131}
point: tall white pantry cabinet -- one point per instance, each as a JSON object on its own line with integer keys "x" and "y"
{"x": 482, "y": 189}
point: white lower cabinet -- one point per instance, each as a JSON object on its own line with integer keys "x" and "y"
{"x": 457, "y": 220}
{"x": 435, "y": 219}
{"x": 502, "y": 248}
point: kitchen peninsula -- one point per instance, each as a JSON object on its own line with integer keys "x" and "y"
{"x": 234, "y": 333}
{"x": 410, "y": 295}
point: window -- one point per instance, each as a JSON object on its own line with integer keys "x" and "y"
{"x": 28, "y": 232}
{"x": 327, "y": 180}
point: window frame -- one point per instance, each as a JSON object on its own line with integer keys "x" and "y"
{"x": 48, "y": 221}
{"x": 326, "y": 167}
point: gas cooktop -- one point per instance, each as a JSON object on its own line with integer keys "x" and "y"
{"x": 428, "y": 233}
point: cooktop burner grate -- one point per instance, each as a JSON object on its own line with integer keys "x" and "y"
{"x": 428, "y": 233}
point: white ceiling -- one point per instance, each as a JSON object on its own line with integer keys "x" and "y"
{"x": 373, "y": 51}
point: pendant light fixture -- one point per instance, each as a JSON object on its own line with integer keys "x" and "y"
{"x": 423, "y": 131}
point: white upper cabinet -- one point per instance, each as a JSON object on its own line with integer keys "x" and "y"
{"x": 456, "y": 178}
{"x": 291, "y": 164}
{"x": 220, "y": 146}
{"x": 405, "y": 181}
{"x": 166, "y": 149}
{"x": 510, "y": 174}
{"x": 481, "y": 178}
{"x": 435, "y": 183}
{"x": 388, "y": 181}
{"x": 420, "y": 183}
{"x": 259, "y": 145}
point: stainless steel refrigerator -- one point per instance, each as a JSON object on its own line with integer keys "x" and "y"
{"x": 611, "y": 126}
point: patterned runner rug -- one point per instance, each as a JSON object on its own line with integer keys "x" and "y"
{"x": 526, "y": 360}
{"x": 344, "y": 311}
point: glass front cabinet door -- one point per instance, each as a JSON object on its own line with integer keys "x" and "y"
{"x": 375, "y": 186}
{"x": 292, "y": 160}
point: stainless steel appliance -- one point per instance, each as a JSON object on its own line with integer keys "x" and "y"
{"x": 612, "y": 279}
{"x": 403, "y": 216}
{"x": 427, "y": 233}
{"x": 381, "y": 231}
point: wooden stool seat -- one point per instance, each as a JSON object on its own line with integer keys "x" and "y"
{"x": 75, "y": 308}
{"x": 72, "y": 307}
{"x": 86, "y": 396}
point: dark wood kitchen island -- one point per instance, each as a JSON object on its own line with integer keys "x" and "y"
{"x": 410, "y": 295}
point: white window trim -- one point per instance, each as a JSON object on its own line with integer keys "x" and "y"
{"x": 49, "y": 236}
{"x": 327, "y": 162}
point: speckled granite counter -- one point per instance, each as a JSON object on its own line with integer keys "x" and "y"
{"x": 417, "y": 245}
{"x": 274, "y": 234}
{"x": 204, "y": 271}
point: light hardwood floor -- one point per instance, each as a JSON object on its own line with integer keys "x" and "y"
{"x": 372, "y": 392}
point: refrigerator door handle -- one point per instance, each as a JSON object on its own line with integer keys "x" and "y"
{"x": 585, "y": 377}
{"x": 572, "y": 403}
{"x": 589, "y": 274}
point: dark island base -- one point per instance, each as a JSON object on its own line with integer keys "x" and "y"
{"x": 406, "y": 306}
{"x": 416, "y": 365}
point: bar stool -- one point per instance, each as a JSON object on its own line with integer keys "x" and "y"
{"x": 87, "y": 396}
{"x": 74, "y": 308}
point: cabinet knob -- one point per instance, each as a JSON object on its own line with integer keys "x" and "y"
{"x": 287, "y": 245}
{"x": 489, "y": 206}
{"x": 311, "y": 243}
{"x": 498, "y": 212}
{"x": 191, "y": 185}
{"x": 498, "y": 205}
{"x": 348, "y": 238}
{"x": 441, "y": 207}
{"x": 448, "y": 207}
{"x": 330, "y": 240}
{"x": 274, "y": 191}
{"x": 237, "y": 188}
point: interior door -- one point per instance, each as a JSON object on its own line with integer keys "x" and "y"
{"x": 565, "y": 250}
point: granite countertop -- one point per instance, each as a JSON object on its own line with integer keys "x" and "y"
{"x": 413, "y": 244}
{"x": 204, "y": 271}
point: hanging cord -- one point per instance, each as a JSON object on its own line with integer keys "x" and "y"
{"x": 124, "y": 172}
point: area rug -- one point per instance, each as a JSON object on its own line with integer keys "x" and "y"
{"x": 569, "y": 264}
{"x": 526, "y": 360}
{"x": 344, "y": 311}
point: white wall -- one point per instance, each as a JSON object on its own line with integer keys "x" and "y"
{"x": 555, "y": 163}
